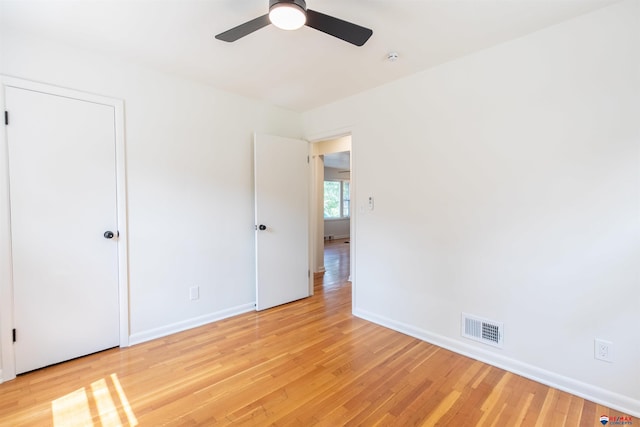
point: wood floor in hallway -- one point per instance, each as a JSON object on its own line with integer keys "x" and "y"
{"x": 306, "y": 363}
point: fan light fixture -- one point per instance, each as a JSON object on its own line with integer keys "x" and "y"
{"x": 293, "y": 14}
{"x": 288, "y": 15}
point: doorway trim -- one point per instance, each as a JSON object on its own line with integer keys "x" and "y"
{"x": 7, "y": 366}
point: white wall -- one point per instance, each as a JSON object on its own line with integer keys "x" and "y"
{"x": 190, "y": 182}
{"x": 337, "y": 228}
{"x": 516, "y": 197}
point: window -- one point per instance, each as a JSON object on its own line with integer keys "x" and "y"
{"x": 336, "y": 199}
{"x": 346, "y": 213}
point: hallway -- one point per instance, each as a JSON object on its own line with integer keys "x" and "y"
{"x": 336, "y": 263}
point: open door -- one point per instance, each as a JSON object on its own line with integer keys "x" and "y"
{"x": 282, "y": 220}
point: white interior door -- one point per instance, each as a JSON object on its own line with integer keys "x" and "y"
{"x": 62, "y": 176}
{"x": 282, "y": 220}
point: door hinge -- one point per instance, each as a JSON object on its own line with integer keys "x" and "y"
{"x": 6, "y": 117}
{"x": 309, "y": 274}
{"x": 307, "y": 159}
{"x": 14, "y": 335}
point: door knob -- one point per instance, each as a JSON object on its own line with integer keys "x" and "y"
{"x": 108, "y": 235}
{"x": 262, "y": 227}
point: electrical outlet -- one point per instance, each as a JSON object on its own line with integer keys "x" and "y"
{"x": 603, "y": 350}
{"x": 194, "y": 293}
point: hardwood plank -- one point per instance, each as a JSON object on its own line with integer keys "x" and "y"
{"x": 442, "y": 409}
{"x": 305, "y": 363}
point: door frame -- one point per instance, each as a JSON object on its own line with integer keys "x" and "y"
{"x": 314, "y": 217}
{"x": 7, "y": 363}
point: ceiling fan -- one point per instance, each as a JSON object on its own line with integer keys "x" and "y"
{"x": 293, "y": 14}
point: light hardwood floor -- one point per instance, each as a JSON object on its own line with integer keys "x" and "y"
{"x": 305, "y": 363}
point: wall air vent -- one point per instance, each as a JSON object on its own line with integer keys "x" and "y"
{"x": 482, "y": 330}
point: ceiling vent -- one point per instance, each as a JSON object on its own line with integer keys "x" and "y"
{"x": 482, "y": 330}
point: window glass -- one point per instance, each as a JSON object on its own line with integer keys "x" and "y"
{"x": 336, "y": 199}
{"x": 345, "y": 199}
{"x": 332, "y": 199}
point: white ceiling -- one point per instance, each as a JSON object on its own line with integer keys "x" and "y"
{"x": 298, "y": 70}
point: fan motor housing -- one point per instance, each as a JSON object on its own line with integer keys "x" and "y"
{"x": 300, "y": 3}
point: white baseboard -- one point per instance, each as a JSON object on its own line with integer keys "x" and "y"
{"x": 173, "y": 328}
{"x": 586, "y": 391}
{"x": 336, "y": 237}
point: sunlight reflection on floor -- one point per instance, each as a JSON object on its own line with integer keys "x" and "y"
{"x": 72, "y": 409}
{"x": 80, "y": 408}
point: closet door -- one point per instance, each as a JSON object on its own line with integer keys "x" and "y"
{"x": 62, "y": 172}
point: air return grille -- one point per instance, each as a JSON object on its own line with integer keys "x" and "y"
{"x": 482, "y": 330}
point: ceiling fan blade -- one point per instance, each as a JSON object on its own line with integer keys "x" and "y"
{"x": 352, "y": 33}
{"x": 244, "y": 29}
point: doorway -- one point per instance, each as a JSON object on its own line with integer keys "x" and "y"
{"x": 337, "y": 195}
{"x": 335, "y": 153}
